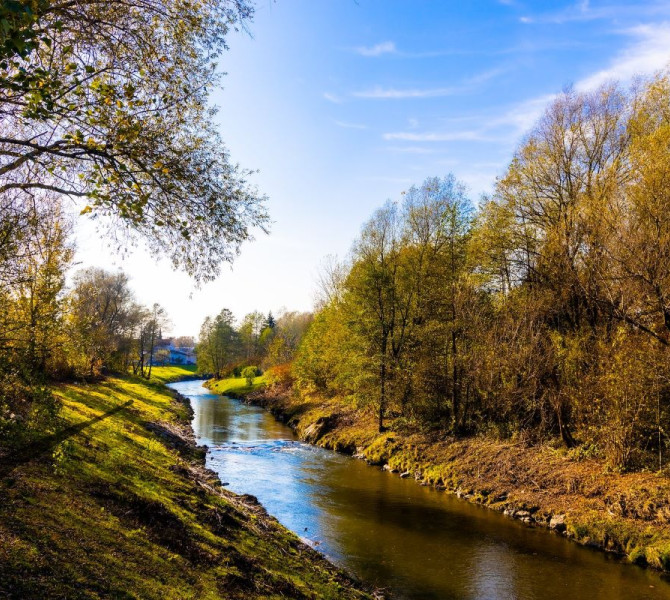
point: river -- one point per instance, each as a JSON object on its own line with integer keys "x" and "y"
{"x": 416, "y": 542}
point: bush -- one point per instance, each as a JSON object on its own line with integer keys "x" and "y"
{"x": 26, "y": 410}
{"x": 280, "y": 375}
{"x": 249, "y": 373}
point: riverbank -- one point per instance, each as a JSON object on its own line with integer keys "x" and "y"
{"x": 172, "y": 373}
{"x": 118, "y": 503}
{"x": 546, "y": 486}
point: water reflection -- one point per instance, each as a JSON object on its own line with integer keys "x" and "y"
{"x": 420, "y": 543}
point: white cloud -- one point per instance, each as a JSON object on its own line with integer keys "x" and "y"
{"x": 411, "y": 149}
{"x": 520, "y": 117}
{"x": 347, "y": 125}
{"x": 394, "y": 93}
{"x": 506, "y": 127}
{"x": 377, "y": 49}
{"x": 432, "y": 136}
{"x": 468, "y": 85}
{"x": 332, "y": 98}
{"x": 650, "y": 53}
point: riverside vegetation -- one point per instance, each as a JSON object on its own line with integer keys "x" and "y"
{"x": 103, "y": 492}
{"x": 118, "y": 503}
{"x": 516, "y": 353}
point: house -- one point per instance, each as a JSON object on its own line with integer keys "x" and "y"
{"x": 165, "y": 352}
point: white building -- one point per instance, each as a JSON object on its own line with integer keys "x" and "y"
{"x": 165, "y": 352}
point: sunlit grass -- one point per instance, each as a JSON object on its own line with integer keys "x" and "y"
{"x": 170, "y": 373}
{"x": 236, "y": 386}
{"x": 111, "y": 511}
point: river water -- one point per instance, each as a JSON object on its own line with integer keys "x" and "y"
{"x": 414, "y": 541}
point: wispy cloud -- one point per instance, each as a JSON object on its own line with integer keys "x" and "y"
{"x": 583, "y": 11}
{"x": 411, "y": 149}
{"x": 433, "y": 136}
{"x": 347, "y": 125}
{"x": 520, "y": 117}
{"x": 379, "y": 92}
{"x": 332, "y": 98}
{"x": 504, "y": 128}
{"x": 382, "y": 93}
{"x": 377, "y": 49}
{"x": 390, "y": 48}
{"x": 649, "y": 53}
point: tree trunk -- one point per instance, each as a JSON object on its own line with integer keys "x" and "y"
{"x": 382, "y": 395}
{"x": 151, "y": 350}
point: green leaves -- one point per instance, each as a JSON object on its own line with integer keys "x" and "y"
{"x": 128, "y": 122}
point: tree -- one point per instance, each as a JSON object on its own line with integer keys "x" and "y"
{"x": 34, "y": 257}
{"x": 287, "y": 335}
{"x": 31, "y": 288}
{"x": 218, "y": 344}
{"x": 269, "y": 322}
{"x": 107, "y": 102}
{"x": 250, "y": 333}
{"x": 102, "y": 311}
{"x": 162, "y": 356}
{"x": 437, "y": 222}
{"x": 184, "y": 341}
{"x": 373, "y": 294}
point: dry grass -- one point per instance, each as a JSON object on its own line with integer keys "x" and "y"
{"x": 624, "y": 513}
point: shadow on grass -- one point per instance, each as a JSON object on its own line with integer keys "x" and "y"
{"x": 42, "y": 446}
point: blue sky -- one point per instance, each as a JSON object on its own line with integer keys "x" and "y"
{"x": 342, "y": 104}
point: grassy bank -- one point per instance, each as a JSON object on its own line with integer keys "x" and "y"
{"x": 118, "y": 504}
{"x": 236, "y": 387}
{"x": 546, "y": 485}
{"x": 172, "y": 373}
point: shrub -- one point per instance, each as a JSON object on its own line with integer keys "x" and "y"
{"x": 249, "y": 373}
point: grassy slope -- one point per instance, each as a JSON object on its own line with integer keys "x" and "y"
{"x": 236, "y": 386}
{"x": 628, "y": 514}
{"x": 124, "y": 508}
{"x": 172, "y": 373}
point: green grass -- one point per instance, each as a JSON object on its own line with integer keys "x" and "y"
{"x": 171, "y": 373}
{"x": 236, "y": 386}
{"x": 119, "y": 507}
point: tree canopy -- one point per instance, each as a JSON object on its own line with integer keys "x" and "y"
{"x": 108, "y": 102}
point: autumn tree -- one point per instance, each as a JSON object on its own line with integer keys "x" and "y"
{"x": 102, "y": 311}
{"x": 218, "y": 344}
{"x": 107, "y": 102}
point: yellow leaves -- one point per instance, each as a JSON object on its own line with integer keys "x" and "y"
{"x": 86, "y": 210}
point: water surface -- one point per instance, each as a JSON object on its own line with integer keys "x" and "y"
{"x": 413, "y": 540}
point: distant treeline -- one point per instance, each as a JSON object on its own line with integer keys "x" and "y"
{"x": 259, "y": 341}
{"x": 544, "y": 312}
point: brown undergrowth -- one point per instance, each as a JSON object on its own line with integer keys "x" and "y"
{"x": 542, "y": 485}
